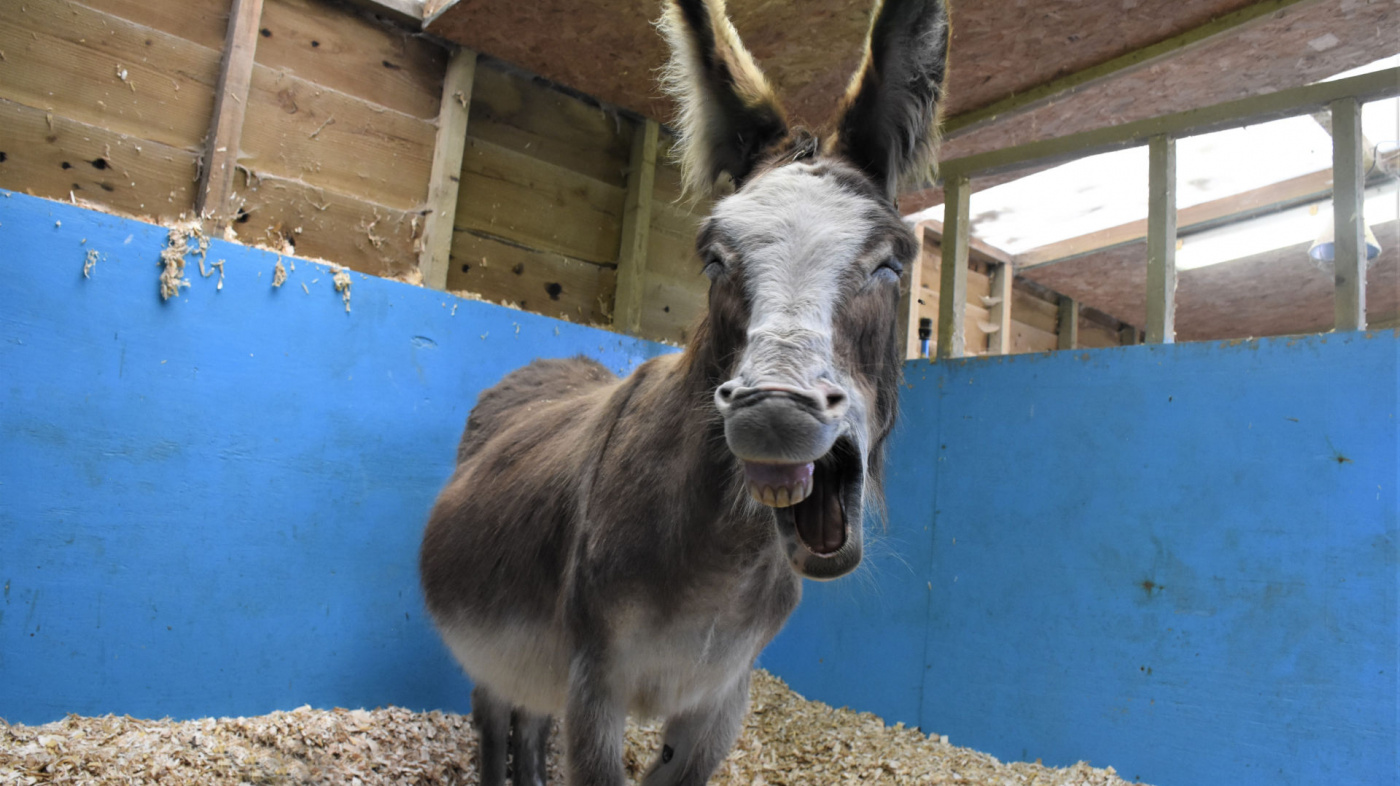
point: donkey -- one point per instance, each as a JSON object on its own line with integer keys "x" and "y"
{"x": 609, "y": 546}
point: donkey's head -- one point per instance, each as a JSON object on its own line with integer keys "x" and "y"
{"x": 804, "y": 260}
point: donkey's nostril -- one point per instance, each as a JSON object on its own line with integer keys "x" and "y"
{"x": 727, "y": 390}
{"x": 834, "y": 399}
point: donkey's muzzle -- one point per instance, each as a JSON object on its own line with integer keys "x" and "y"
{"x": 779, "y": 423}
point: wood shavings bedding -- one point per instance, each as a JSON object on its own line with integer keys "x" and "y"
{"x": 786, "y": 741}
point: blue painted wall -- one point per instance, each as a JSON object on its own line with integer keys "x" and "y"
{"x": 1181, "y": 561}
{"x": 212, "y": 505}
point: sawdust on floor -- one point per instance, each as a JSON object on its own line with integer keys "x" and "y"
{"x": 786, "y": 741}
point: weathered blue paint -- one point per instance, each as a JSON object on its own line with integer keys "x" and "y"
{"x": 1181, "y": 561}
{"x": 1178, "y": 560}
{"x": 211, "y": 505}
{"x": 859, "y": 641}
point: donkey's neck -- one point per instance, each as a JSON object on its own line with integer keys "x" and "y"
{"x": 667, "y": 436}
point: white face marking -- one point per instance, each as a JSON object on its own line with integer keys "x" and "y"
{"x": 797, "y": 233}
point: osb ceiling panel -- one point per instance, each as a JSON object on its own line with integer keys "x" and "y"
{"x": 1297, "y": 46}
{"x": 609, "y": 49}
{"x": 1275, "y": 293}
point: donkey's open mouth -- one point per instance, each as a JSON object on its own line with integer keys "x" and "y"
{"x": 812, "y": 499}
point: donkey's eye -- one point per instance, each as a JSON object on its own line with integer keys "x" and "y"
{"x": 889, "y": 270}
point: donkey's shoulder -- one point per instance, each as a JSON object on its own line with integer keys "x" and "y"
{"x": 547, "y": 379}
{"x": 550, "y": 378}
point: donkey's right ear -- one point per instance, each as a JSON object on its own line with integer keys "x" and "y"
{"x": 728, "y": 113}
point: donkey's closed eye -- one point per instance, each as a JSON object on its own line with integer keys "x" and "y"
{"x": 889, "y": 269}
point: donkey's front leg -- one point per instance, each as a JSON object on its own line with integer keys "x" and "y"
{"x": 698, "y": 740}
{"x": 594, "y": 722}
{"x": 491, "y": 717}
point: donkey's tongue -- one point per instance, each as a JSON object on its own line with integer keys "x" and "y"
{"x": 778, "y": 485}
{"x": 820, "y": 519}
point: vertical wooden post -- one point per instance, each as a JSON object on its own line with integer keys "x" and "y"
{"x": 1161, "y": 240}
{"x": 215, "y": 193}
{"x": 1349, "y": 246}
{"x": 952, "y": 289}
{"x": 910, "y": 286}
{"x": 1000, "y": 312}
{"x": 636, "y": 229}
{"x": 1067, "y": 325}
{"x": 445, "y": 178}
{"x": 1127, "y": 335}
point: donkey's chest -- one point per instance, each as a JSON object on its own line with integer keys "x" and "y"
{"x": 674, "y": 667}
{"x": 673, "y": 661}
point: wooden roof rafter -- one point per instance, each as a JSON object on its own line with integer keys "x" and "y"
{"x": 1066, "y": 85}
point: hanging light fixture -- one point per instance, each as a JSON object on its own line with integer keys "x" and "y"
{"x": 1323, "y": 251}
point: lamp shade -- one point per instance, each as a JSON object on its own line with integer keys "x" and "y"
{"x": 1324, "y": 250}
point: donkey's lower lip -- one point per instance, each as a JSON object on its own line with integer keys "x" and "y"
{"x": 778, "y": 485}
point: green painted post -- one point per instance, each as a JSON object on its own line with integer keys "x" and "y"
{"x": 1161, "y": 240}
{"x": 952, "y": 289}
{"x": 1348, "y": 180}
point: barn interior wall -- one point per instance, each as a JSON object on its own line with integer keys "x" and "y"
{"x": 212, "y": 507}
{"x": 1192, "y": 575}
{"x": 108, "y": 102}
{"x": 1035, "y": 320}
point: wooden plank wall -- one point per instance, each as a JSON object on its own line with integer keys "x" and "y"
{"x": 539, "y": 214}
{"x": 338, "y": 140}
{"x": 1034, "y": 308}
{"x": 110, "y": 101}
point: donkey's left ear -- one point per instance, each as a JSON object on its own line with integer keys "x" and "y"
{"x": 888, "y": 122}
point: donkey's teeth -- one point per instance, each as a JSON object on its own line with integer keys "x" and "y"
{"x": 780, "y": 496}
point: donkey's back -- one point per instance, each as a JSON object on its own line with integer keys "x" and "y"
{"x": 498, "y": 540}
{"x": 541, "y": 383}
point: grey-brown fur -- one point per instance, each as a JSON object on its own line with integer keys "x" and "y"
{"x": 601, "y": 550}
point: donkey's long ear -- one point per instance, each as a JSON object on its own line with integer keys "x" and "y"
{"x": 728, "y": 114}
{"x": 888, "y": 122}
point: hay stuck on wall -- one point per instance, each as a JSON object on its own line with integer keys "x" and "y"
{"x": 787, "y": 741}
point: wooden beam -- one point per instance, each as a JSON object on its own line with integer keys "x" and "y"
{"x": 1219, "y": 117}
{"x": 952, "y": 290}
{"x": 406, "y": 12}
{"x": 977, "y": 249}
{"x": 910, "y": 286}
{"x": 1136, "y": 60}
{"x": 999, "y": 311}
{"x": 1127, "y": 335}
{"x": 213, "y": 198}
{"x": 432, "y": 9}
{"x": 1226, "y": 210}
{"x": 636, "y": 228}
{"x": 1349, "y": 248}
{"x": 1067, "y": 323}
{"x": 1161, "y": 240}
{"x": 1368, "y": 150}
{"x": 445, "y": 178}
